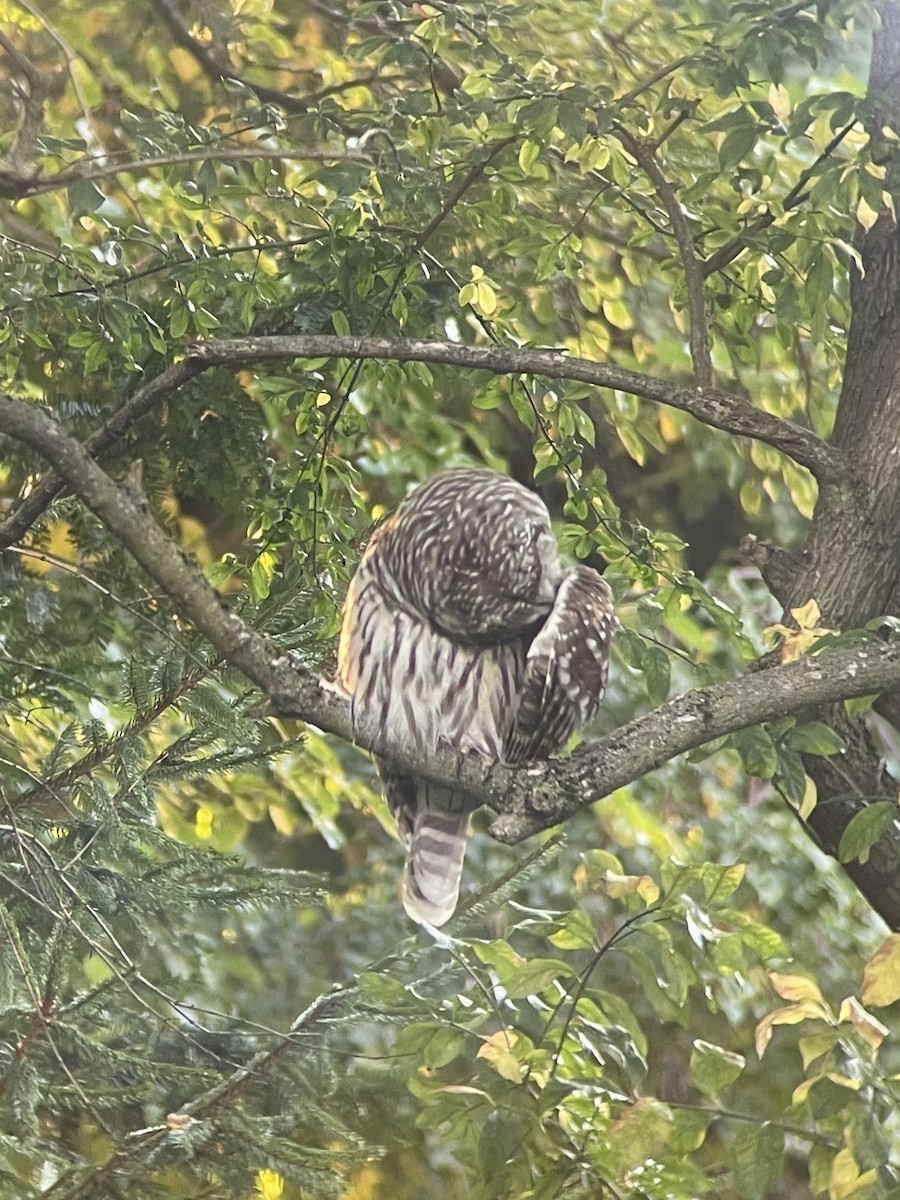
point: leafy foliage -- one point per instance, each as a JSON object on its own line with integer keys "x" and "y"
{"x": 206, "y": 985}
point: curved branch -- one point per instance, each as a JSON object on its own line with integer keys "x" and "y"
{"x": 713, "y": 406}
{"x": 530, "y": 798}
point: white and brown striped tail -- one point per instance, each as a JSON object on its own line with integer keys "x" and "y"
{"x": 435, "y": 853}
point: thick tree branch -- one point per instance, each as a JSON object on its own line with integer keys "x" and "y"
{"x": 530, "y": 798}
{"x": 713, "y": 406}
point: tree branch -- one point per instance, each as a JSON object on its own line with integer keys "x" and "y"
{"x": 223, "y": 70}
{"x": 15, "y": 187}
{"x": 731, "y": 250}
{"x": 693, "y": 274}
{"x": 713, "y": 406}
{"x": 530, "y": 798}
{"x": 16, "y": 525}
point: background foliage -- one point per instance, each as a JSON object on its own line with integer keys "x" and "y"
{"x": 207, "y": 986}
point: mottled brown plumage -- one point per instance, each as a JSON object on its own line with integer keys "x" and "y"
{"x": 461, "y": 628}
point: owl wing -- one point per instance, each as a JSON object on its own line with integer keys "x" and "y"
{"x": 566, "y": 667}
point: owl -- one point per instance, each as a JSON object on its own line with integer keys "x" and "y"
{"x": 462, "y": 628}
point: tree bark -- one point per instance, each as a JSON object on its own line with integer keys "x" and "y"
{"x": 851, "y": 566}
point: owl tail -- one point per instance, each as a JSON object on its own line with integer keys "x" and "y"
{"x": 435, "y": 853}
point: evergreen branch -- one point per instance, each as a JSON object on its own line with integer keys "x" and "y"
{"x": 220, "y": 1094}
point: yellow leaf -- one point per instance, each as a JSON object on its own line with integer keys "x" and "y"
{"x": 796, "y": 987}
{"x": 863, "y": 1022}
{"x": 845, "y": 1177}
{"x": 793, "y": 1014}
{"x": 881, "y": 977}
{"x": 795, "y": 642}
{"x": 616, "y": 312}
{"x": 780, "y": 101}
{"x": 269, "y": 1184}
{"x": 816, "y": 1045}
{"x": 203, "y": 822}
{"x": 623, "y": 885}
{"x": 185, "y": 65}
{"x": 810, "y": 799}
{"x": 669, "y": 428}
{"x": 800, "y": 1092}
{"x": 807, "y": 615}
{"x": 466, "y": 294}
{"x": 866, "y": 215}
{"x": 485, "y": 298}
{"x": 497, "y": 1049}
{"x": 648, "y": 890}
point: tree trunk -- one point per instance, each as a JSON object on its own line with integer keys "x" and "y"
{"x": 851, "y": 566}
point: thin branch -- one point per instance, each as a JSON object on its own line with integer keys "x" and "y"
{"x": 71, "y": 59}
{"x": 681, "y": 231}
{"x": 20, "y": 188}
{"x": 51, "y": 485}
{"x": 224, "y": 71}
{"x": 713, "y": 406}
{"x": 729, "y": 252}
{"x": 530, "y": 798}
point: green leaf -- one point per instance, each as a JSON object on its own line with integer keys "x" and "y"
{"x": 814, "y": 738}
{"x": 864, "y": 829}
{"x": 737, "y": 145}
{"x": 819, "y": 280}
{"x": 656, "y": 674}
{"x": 757, "y": 750}
{"x": 714, "y": 1068}
{"x": 757, "y": 1153}
{"x": 868, "y": 1144}
{"x": 529, "y": 152}
{"x": 84, "y": 198}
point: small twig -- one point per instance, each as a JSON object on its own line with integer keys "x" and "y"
{"x": 693, "y": 274}
{"x": 729, "y": 252}
{"x": 20, "y": 187}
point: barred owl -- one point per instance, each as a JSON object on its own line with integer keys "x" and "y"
{"x": 462, "y": 629}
